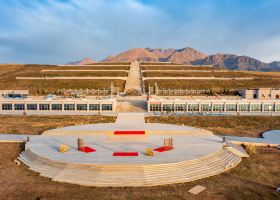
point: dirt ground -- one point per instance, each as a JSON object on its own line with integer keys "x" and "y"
{"x": 36, "y": 125}
{"x": 255, "y": 178}
{"x": 251, "y": 126}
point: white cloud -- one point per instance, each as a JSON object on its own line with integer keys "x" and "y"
{"x": 57, "y": 32}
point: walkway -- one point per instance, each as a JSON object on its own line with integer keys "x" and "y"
{"x": 130, "y": 118}
{"x": 194, "y": 78}
{"x": 72, "y": 78}
{"x": 271, "y": 138}
{"x": 13, "y": 138}
{"x": 134, "y": 79}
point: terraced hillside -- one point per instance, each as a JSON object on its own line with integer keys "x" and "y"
{"x": 10, "y": 72}
{"x": 218, "y": 81}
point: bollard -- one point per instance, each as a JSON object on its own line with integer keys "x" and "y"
{"x": 81, "y": 144}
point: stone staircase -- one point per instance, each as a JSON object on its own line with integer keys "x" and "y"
{"x": 134, "y": 79}
{"x": 131, "y": 106}
{"x": 236, "y": 149}
{"x": 131, "y": 175}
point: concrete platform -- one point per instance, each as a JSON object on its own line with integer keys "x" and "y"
{"x": 197, "y": 154}
{"x": 187, "y": 147}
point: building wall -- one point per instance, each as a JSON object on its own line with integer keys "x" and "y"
{"x": 99, "y": 106}
{"x": 261, "y": 93}
{"x": 214, "y": 106}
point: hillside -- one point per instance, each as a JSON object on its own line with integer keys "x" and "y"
{"x": 233, "y": 62}
{"x": 178, "y": 56}
{"x": 275, "y": 66}
{"x": 84, "y": 61}
{"x": 188, "y": 56}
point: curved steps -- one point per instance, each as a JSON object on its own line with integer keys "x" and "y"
{"x": 125, "y": 175}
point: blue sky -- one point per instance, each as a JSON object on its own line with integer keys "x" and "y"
{"x": 58, "y": 31}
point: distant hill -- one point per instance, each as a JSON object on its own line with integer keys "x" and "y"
{"x": 84, "y": 61}
{"x": 189, "y": 56}
{"x": 275, "y": 66}
{"x": 180, "y": 56}
{"x": 233, "y": 62}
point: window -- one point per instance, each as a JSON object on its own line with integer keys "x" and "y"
{"x": 167, "y": 107}
{"x": 94, "y": 106}
{"x": 44, "y": 107}
{"x": 180, "y": 107}
{"x": 69, "y": 106}
{"x": 268, "y": 107}
{"x": 19, "y": 106}
{"x": 81, "y": 106}
{"x": 231, "y": 107}
{"x": 206, "y": 107}
{"x": 31, "y": 106}
{"x": 155, "y": 107}
{"x": 193, "y": 107}
{"x": 277, "y": 107}
{"x": 218, "y": 108}
{"x": 107, "y": 107}
{"x": 56, "y": 106}
{"x": 256, "y": 107}
{"x": 7, "y": 106}
{"x": 243, "y": 107}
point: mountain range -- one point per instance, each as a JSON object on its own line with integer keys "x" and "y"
{"x": 190, "y": 56}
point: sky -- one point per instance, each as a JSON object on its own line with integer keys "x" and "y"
{"x": 59, "y": 31}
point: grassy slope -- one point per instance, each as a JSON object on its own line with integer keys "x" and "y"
{"x": 35, "y": 125}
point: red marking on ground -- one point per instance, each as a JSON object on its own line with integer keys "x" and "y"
{"x": 87, "y": 149}
{"x": 162, "y": 149}
{"x": 125, "y": 154}
{"x": 129, "y": 132}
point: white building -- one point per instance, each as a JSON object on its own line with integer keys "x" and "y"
{"x": 220, "y": 105}
{"x": 54, "y": 105}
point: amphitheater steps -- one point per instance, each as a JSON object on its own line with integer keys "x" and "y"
{"x": 236, "y": 149}
{"x": 131, "y": 175}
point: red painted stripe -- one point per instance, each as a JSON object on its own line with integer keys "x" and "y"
{"x": 129, "y": 132}
{"x": 87, "y": 149}
{"x": 125, "y": 154}
{"x": 162, "y": 149}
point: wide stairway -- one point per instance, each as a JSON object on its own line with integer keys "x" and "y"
{"x": 134, "y": 79}
{"x": 125, "y": 175}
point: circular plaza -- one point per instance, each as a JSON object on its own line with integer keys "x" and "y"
{"x": 119, "y": 158}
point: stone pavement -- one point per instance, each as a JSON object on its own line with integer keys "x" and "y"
{"x": 268, "y": 138}
{"x": 13, "y": 138}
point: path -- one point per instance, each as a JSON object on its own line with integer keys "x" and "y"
{"x": 131, "y": 104}
{"x": 194, "y": 78}
{"x": 130, "y": 118}
{"x": 72, "y": 78}
{"x": 271, "y": 138}
{"x": 134, "y": 79}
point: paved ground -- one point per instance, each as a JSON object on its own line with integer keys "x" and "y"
{"x": 72, "y": 78}
{"x": 131, "y": 106}
{"x": 187, "y": 147}
{"x": 195, "y": 78}
{"x": 130, "y": 118}
{"x": 269, "y": 138}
